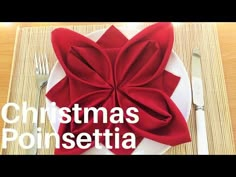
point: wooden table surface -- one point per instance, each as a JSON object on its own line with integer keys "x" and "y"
{"x": 227, "y": 39}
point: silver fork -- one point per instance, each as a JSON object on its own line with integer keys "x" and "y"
{"x": 41, "y": 74}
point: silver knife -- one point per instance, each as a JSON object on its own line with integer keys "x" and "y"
{"x": 198, "y": 101}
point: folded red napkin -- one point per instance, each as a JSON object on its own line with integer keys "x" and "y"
{"x": 117, "y": 72}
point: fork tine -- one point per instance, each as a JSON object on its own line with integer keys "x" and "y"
{"x": 41, "y": 64}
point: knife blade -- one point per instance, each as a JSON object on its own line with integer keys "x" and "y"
{"x": 198, "y": 101}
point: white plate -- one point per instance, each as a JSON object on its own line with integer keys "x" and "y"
{"x": 181, "y": 97}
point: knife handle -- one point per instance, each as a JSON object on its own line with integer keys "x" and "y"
{"x": 202, "y": 144}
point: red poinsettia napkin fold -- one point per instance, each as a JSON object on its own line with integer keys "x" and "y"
{"x": 117, "y": 72}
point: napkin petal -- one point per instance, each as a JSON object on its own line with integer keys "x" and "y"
{"x": 159, "y": 117}
{"x": 64, "y": 41}
{"x": 91, "y": 68}
{"x": 90, "y": 127}
{"x": 140, "y": 62}
{"x": 97, "y": 99}
{"x": 155, "y": 39}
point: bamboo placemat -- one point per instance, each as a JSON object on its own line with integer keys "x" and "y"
{"x": 31, "y": 40}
